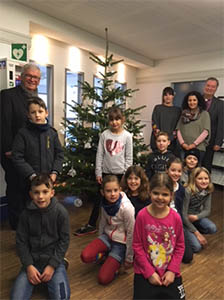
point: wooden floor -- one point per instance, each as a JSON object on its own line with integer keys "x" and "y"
{"x": 203, "y": 278}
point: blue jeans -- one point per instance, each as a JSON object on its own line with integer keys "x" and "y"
{"x": 204, "y": 226}
{"x": 115, "y": 249}
{"x": 58, "y": 286}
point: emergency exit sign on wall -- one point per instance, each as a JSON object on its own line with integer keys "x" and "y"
{"x": 19, "y": 52}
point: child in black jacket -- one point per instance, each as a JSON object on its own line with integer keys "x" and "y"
{"x": 157, "y": 160}
{"x": 36, "y": 148}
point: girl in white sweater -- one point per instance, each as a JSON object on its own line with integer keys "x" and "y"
{"x": 115, "y": 232}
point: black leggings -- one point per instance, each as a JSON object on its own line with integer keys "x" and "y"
{"x": 143, "y": 289}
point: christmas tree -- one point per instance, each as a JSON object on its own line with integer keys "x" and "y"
{"x": 82, "y": 134}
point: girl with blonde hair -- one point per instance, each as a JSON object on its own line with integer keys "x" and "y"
{"x": 197, "y": 207}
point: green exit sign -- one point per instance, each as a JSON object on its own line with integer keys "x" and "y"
{"x": 19, "y": 52}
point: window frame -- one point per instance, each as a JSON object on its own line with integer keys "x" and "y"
{"x": 79, "y": 95}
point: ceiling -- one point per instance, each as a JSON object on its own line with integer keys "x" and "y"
{"x": 155, "y": 29}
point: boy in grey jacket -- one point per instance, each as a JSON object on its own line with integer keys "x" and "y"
{"x": 42, "y": 239}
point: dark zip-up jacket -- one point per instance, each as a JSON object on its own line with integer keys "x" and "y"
{"x": 36, "y": 150}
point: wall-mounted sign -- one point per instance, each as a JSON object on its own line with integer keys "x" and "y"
{"x": 19, "y": 52}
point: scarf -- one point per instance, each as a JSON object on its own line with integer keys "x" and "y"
{"x": 112, "y": 209}
{"x": 39, "y": 127}
{"x": 188, "y": 116}
{"x": 28, "y": 93}
{"x": 201, "y": 194}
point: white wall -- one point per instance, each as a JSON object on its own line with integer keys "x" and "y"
{"x": 152, "y": 81}
{"x": 17, "y": 25}
{"x": 20, "y": 21}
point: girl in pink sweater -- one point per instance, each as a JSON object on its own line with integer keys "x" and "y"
{"x": 158, "y": 245}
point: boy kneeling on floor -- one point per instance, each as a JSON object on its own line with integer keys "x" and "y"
{"x": 42, "y": 239}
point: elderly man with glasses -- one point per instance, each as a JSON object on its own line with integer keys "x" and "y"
{"x": 13, "y": 117}
{"x": 215, "y": 108}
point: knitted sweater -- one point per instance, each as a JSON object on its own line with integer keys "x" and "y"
{"x": 42, "y": 236}
{"x": 164, "y": 118}
{"x": 114, "y": 153}
{"x": 196, "y": 204}
{"x": 191, "y": 131}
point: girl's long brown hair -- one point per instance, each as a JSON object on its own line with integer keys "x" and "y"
{"x": 144, "y": 187}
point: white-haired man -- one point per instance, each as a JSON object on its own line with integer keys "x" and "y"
{"x": 215, "y": 108}
{"x": 13, "y": 117}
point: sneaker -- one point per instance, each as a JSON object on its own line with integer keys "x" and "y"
{"x": 87, "y": 229}
{"x": 66, "y": 263}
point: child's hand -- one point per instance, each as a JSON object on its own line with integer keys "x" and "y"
{"x": 99, "y": 179}
{"x": 47, "y": 273}
{"x": 127, "y": 265}
{"x": 53, "y": 177}
{"x": 202, "y": 240}
{"x": 155, "y": 279}
{"x": 192, "y": 218}
{"x": 33, "y": 275}
{"x": 168, "y": 278}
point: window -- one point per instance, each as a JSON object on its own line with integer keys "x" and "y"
{"x": 45, "y": 89}
{"x": 73, "y": 93}
{"x": 98, "y": 85}
{"x": 182, "y": 88}
{"x": 123, "y": 87}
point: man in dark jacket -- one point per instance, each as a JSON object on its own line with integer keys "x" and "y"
{"x": 215, "y": 108}
{"x": 13, "y": 116}
{"x": 42, "y": 239}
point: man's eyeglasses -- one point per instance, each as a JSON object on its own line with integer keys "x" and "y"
{"x": 29, "y": 76}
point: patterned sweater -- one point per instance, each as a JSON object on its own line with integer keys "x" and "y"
{"x": 114, "y": 153}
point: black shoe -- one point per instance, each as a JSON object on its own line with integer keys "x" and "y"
{"x": 84, "y": 230}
